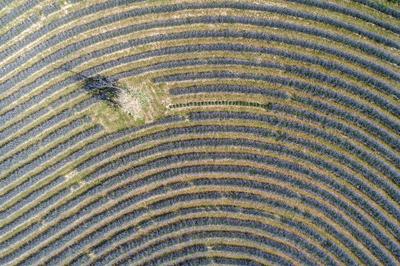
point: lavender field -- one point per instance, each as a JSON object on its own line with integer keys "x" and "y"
{"x": 183, "y": 132}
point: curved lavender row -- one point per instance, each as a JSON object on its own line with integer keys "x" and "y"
{"x": 21, "y": 204}
{"x": 296, "y": 168}
{"x": 86, "y": 149}
{"x": 16, "y": 30}
{"x": 392, "y": 191}
{"x": 122, "y": 233}
{"x": 78, "y": 246}
{"x": 351, "y": 12}
{"x": 395, "y": 176}
{"x": 51, "y": 8}
{"x": 20, "y": 235}
{"x": 381, "y": 8}
{"x": 316, "y": 90}
{"x": 61, "y": 227}
{"x": 185, "y": 6}
{"x": 354, "y": 133}
{"x": 35, "y": 99}
{"x": 321, "y": 107}
{"x": 250, "y": 237}
{"x": 32, "y": 197}
{"x": 38, "y": 97}
{"x": 173, "y": 64}
{"x": 262, "y": 133}
{"x": 379, "y": 133}
{"x": 5, "y": 3}
{"x": 12, "y": 143}
{"x": 81, "y": 260}
{"x": 33, "y": 212}
{"x": 79, "y": 154}
{"x": 222, "y": 88}
{"x": 39, "y": 161}
{"x": 310, "y": 116}
{"x": 295, "y": 70}
{"x": 126, "y": 231}
{"x": 22, "y": 75}
{"x": 33, "y": 102}
{"x": 110, "y": 212}
{"x": 10, "y": 130}
{"x": 41, "y": 96}
{"x": 53, "y": 136}
{"x": 208, "y": 260}
{"x": 350, "y": 201}
{"x": 79, "y": 107}
{"x": 114, "y": 180}
{"x": 234, "y": 47}
{"x": 15, "y": 12}
{"x": 187, "y": 238}
{"x": 30, "y": 214}
{"x": 99, "y": 218}
{"x": 193, "y": 250}
{"x": 62, "y": 21}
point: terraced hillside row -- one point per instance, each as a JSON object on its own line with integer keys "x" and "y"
{"x": 248, "y": 132}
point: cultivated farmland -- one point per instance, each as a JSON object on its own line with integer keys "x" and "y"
{"x": 166, "y": 132}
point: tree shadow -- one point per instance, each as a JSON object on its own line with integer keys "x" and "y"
{"x": 103, "y": 88}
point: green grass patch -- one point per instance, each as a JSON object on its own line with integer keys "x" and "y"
{"x": 112, "y": 118}
{"x": 140, "y": 102}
